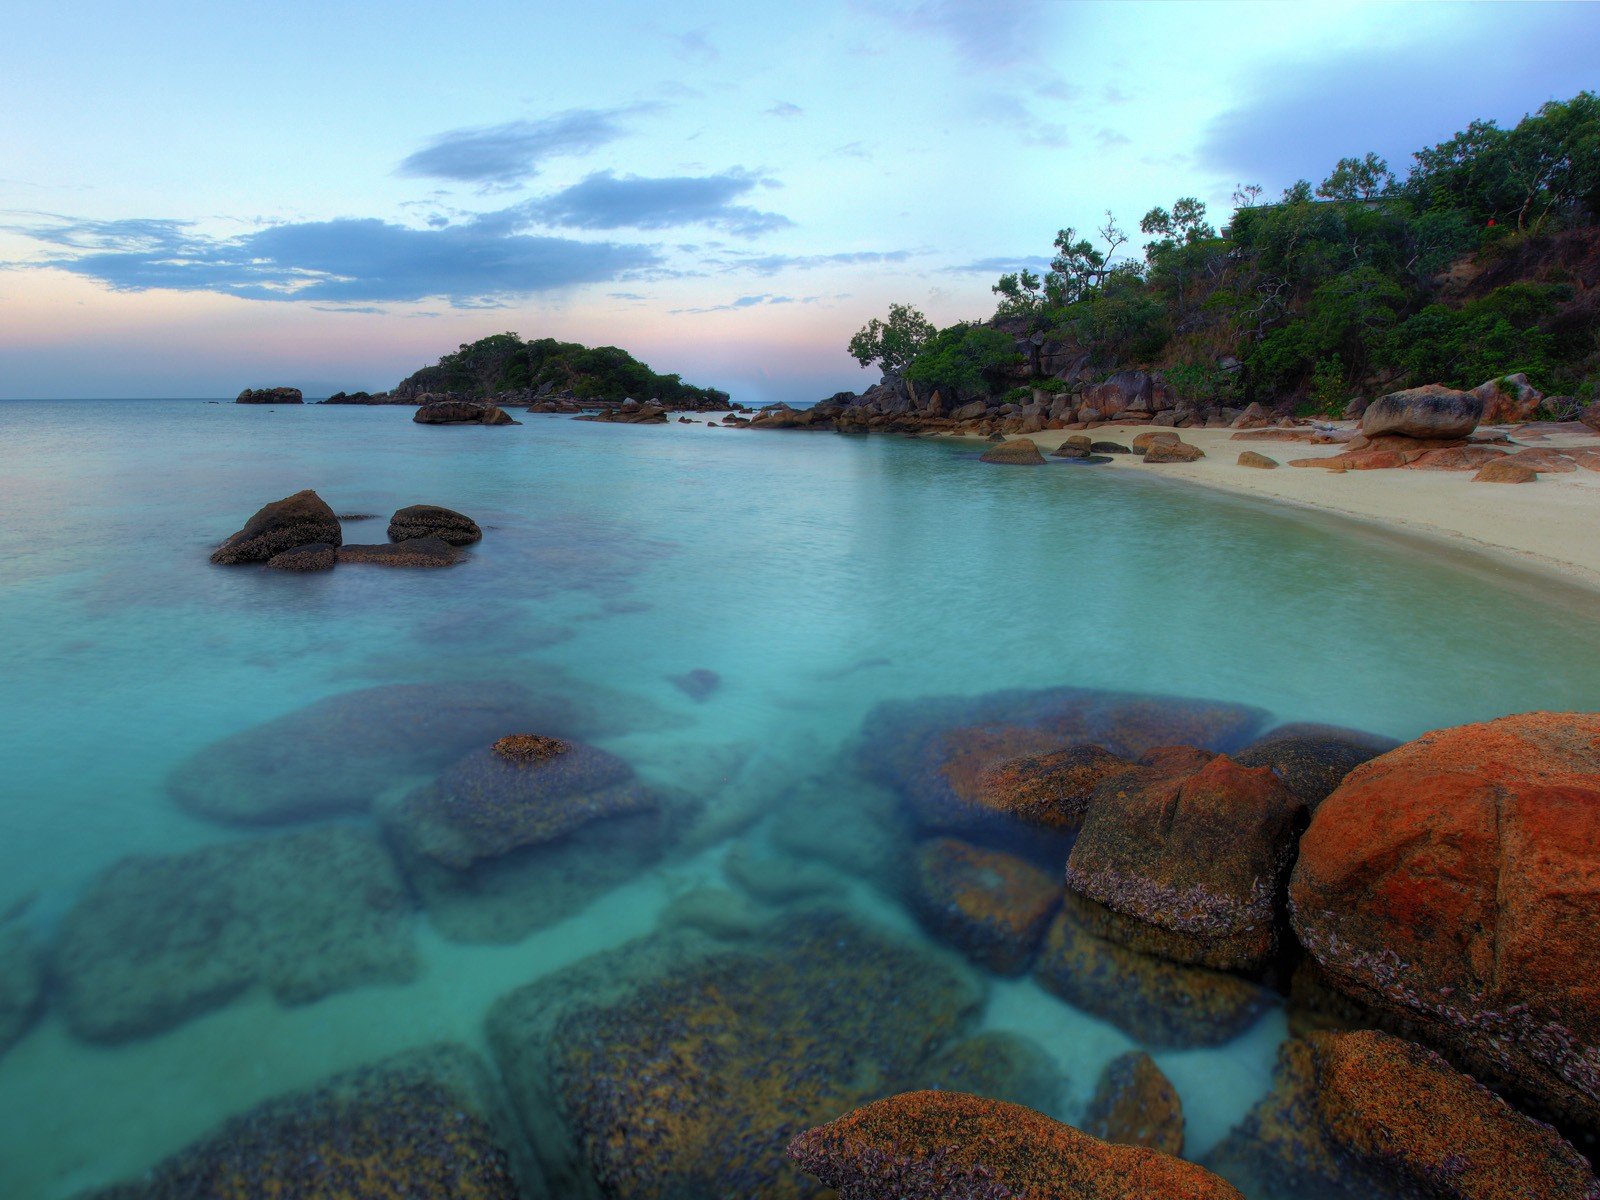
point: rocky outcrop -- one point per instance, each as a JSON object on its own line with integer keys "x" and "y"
{"x": 1021, "y": 452}
{"x": 1432, "y": 411}
{"x": 21, "y": 983}
{"x": 1134, "y": 1104}
{"x": 460, "y": 412}
{"x": 277, "y": 395}
{"x": 719, "y": 1055}
{"x": 951, "y": 1146}
{"x": 413, "y": 552}
{"x": 1508, "y": 400}
{"x": 1352, "y": 1116}
{"x": 429, "y": 520}
{"x": 362, "y": 398}
{"x": 429, "y": 1122}
{"x": 1454, "y": 884}
{"x": 990, "y": 905}
{"x": 630, "y": 412}
{"x": 313, "y": 556}
{"x": 1590, "y": 416}
{"x": 1188, "y": 864}
{"x": 296, "y": 520}
{"x": 158, "y": 939}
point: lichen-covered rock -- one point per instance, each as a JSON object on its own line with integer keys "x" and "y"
{"x": 938, "y": 752}
{"x": 1020, "y": 452}
{"x": 1368, "y": 1116}
{"x": 1312, "y": 760}
{"x": 21, "y": 983}
{"x": 662, "y": 1070}
{"x": 1190, "y": 866}
{"x": 1050, "y": 790}
{"x": 413, "y": 552}
{"x": 429, "y": 520}
{"x": 336, "y": 755}
{"x": 1134, "y": 1104}
{"x": 990, "y": 905}
{"x": 951, "y": 1146}
{"x": 313, "y": 556}
{"x": 428, "y": 1123}
{"x": 1155, "y": 1001}
{"x": 296, "y": 520}
{"x": 159, "y": 939}
{"x": 1454, "y": 883}
{"x": 1432, "y": 411}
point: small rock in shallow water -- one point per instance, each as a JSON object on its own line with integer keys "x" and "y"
{"x": 1019, "y": 453}
{"x": 21, "y": 983}
{"x": 414, "y": 552}
{"x": 1136, "y": 1105}
{"x": 1050, "y": 790}
{"x": 990, "y": 905}
{"x": 293, "y": 521}
{"x": 314, "y": 556}
{"x": 998, "y": 1066}
{"x": 697, "y": 684}
{"x": 429, "y": 520}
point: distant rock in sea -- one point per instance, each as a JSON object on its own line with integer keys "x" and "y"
{"x": 277, "y": 395}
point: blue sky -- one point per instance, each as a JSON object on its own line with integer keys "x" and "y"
{"x": 199, "y": 197}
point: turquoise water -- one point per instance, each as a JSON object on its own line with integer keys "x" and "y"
{"x": 816, "y": 575}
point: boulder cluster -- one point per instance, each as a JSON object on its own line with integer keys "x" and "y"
{"x": 434, "y": 411}
{"x": 276, "y": 395}
{"x": 301, "y": 533}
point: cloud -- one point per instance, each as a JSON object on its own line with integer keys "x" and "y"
{"x": 608, "y": 201}
{"x": 1000, "y": 109}
{"x": 341, "y": 261}
{"x": 510, "y": 153}
{"x": 990, "y": 33}
{"x": 1300, "y": 117}
{"x": 785, "y": 109}
{"x": 764, "y": 298}
{"x": 1000, "y": 266}
{"x": 771, "y": 264}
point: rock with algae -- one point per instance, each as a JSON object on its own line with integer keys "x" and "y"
{"x": 21, "y": 982}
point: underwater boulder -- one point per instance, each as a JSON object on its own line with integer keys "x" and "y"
{"x": 1312, "y": 760}
{"x": 335, "y": 755}
{"x": 295, "y": 520}
{"x": 21, "y": 983}
{"x": 715, "y": 1057}
{"x": 990, "y": 905}
{"x": 997, "y": 1065}
{"x": 1050, "y": 790}
{"x": 1191, "y": 865}
{"x": 1454, "y": 884}
{"x": 429, "y": 1122}
{"x": 1134, "y": 1104}
{"x": 951, "y": 1146}
{"x": 1369, "y": 1116}
{"x": 429, "y": 520}
{"x": 158, "y": 939}
{"x": 1153, "y": 1000}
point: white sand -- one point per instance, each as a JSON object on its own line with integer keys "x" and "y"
{"x": 1551, "y": 525}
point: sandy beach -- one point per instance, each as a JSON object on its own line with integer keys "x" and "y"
{"x": 1552, "y": 525}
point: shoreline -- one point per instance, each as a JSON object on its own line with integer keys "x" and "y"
{"x": 1550, "y": 528}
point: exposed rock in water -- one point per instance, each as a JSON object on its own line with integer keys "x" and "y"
{"x": 1109, "y": 448}
{"x": 1134, "y": 1104}
{"x": 296, "y": 520}
{"x": 460, "y": 412}
{"x": 1432, "y": 411}
{"x": 952, "y": 1146}
{"x": 277, "y": 395}
{"x": 1190, "y": 865}
{"x": 1019, "y": 453}
{"x": 1454, "y": 883}
{"x": 1367, "y": 1116}
{"x": 335, "y": 755}
{"x": 413, "y": 552}
{"x": 21, "y": 983}
{"x": 721, "y": 1055}
{"x": 313, "y": 556}
{"x": 1075, "y": 446}
{"x": 430, "y": 1122}
{"x": 990, "y": 905}
{"x": 429, "y": 520}
{"x": 158, "y": 939}
{"x": 1312, "y": 760}
{"x": 1153, "y": 1000}
{"x": 697, "y": 684}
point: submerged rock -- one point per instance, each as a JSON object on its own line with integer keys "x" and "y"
{"x": 990, "y": 905}
{"x": 1190, "y": 865}
{"x": 1153, "y": 1000}
{"x": 21, "y": 983}
{"x": 428, "y": 1123}
{"x": 413, "y": 552}
{"x": 336, "y": 755}
{"x": 1134, "y": 1104}
{"x": 1367, "y": 1116}
{"x": 429, "y": 520}
{"x": 1312, "y": 760}
{"x": 952, "y": 1146}
{"x": 998, "y": 1066}
{"x": 1454, "y": 883}
{"x": 158, "y": 939}
{"x": 1049, "y": 790}
{"x": 296, "y": 520}
{"x": 1432, "y": 411}
{"x": 1021, "y": 452}
{"x": 314, "y": 556}
{"x": 697, "y": 684}
{"x": 713, "y": 1059}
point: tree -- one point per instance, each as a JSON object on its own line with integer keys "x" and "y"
{"x": 894, "y": 343}
{"x": 1364, "y": 178}
{"x": 1079, "y": 267}
{"x": 1020, "y": 294}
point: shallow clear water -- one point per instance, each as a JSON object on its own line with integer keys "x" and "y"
{"x": 817, "y": 575}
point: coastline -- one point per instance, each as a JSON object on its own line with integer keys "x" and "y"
{"x": 1551, "y": 528}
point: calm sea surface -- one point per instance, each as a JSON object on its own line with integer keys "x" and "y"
{"x": 816, "y": 576}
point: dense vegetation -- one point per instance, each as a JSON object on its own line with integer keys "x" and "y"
{"x": 1459, "y": 272}
{"x": 504, "y": 362}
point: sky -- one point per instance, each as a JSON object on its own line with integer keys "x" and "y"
{"x": 200, "y": 197}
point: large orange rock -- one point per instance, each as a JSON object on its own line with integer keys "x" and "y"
{"x": 951, "y": 1146}
{"x": 1188, "y": 864}
{"x": 1454, "y": 883}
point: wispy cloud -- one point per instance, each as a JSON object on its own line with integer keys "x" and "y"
{"x": 785, "y": 109}
{"x": 990, "y": 33}
{"x": 756, "y": 301}
{"x": 608, "y": 201}
{"x": 999, "y": 265}
{"x": 513, "y": 152}
{"x": 771, "y": 264}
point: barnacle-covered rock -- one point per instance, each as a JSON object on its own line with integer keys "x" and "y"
{"x": 990, "y": 905}
{"x": 1134, "y": 1104}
